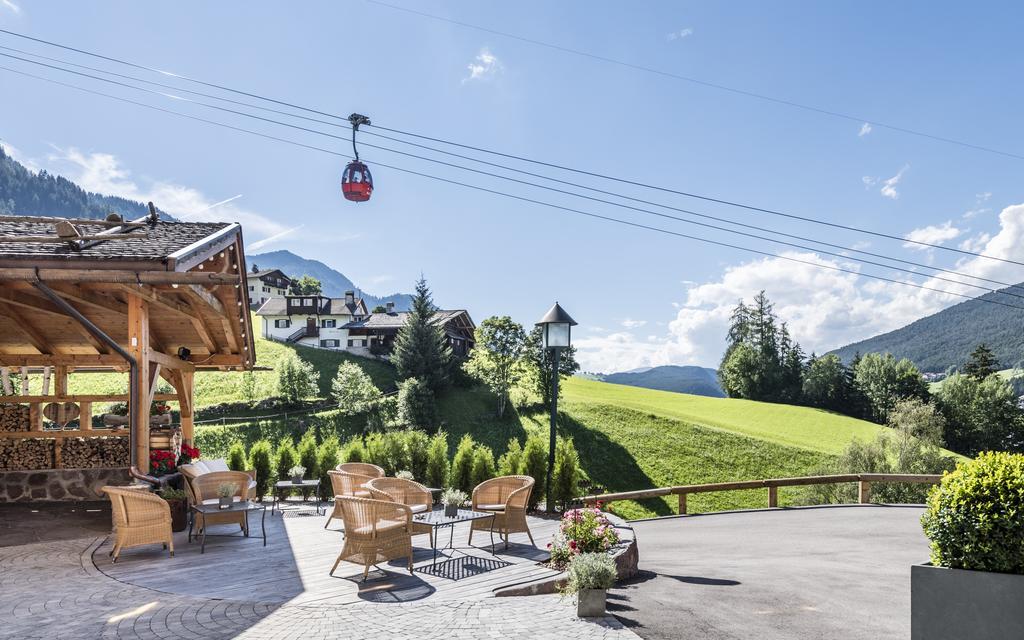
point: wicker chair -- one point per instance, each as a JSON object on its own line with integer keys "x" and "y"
{"x": 139, "y": 518}
{"x": 412, "y": 494}
{"x": 506, "y": 498}
{"x": 204, "y": 489}
{"x": 375, "y": 531}
{"x": 349, "y": 479}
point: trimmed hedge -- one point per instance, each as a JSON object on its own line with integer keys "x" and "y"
{"x": 975, "y": 517}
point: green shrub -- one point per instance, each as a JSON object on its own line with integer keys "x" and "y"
{"x": 327, "y": 458}
{"x": 417, "y": 444}
{"x": 285, "y": 459}
{"x": 535, "y": 465}
{"x": 382, "y": 414}
{"x": 461, "y": 476}
{"x": 353, "y": 389}
{"x": 511, "y": 462}
{"x": 388, "y": 451}
{"x": 567, "y": 475}
{"x": 590, "y": 571}
{"x": 236, "y": 457}
{"x": 261, "y": 460}
{"x": 483, "y": 464}
{"x": 308, "y": 455}
{"x": 296, "y": 379}
{"x": 354, "y": 451}
{"x": 975, "y": 517}
{"x": 416, "y": 404}
{"x": 437, "y": 461}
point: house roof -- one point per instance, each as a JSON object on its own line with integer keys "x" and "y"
{"x": 266, "y": 272}
{"x": 157, "y": 242}
{"x": 397, "y": 319}
{"x": 328, "y": 306}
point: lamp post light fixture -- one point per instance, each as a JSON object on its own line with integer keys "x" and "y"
{"x": 556, "y": 332}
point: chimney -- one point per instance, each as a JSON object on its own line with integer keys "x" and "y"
{"x": 350, "y": 298}
{"x": 391, "y": 307}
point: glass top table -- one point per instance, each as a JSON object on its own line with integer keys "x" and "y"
{"x": 282, "y": 487}
{"x": 200, "y": 511}
{"x": 438, "y": 520}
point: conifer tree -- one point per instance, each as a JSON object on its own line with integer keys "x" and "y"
{"x": 420, "y": 349}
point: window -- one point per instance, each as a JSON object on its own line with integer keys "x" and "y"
{"x": 329, "y": 343}
{"x": 328, "y": 324}
{"x": 266, "y": 289}
{"x": 252, "y": 288}
{"x": 351, "y": 343}
{"x": 282, "y": 324}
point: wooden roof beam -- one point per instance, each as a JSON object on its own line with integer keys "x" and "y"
{"x": 36, "y": 339}
{"x": 120, "y": 276}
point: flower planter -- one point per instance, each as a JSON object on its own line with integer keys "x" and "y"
{"x": 296, "y": 479}
{"x": 451, "y": 510}
{"x": 179, "y": 515}
{"x": 226, "y": 502}
{"x": 957, "y": 604}
{"x": 590, "y": 603}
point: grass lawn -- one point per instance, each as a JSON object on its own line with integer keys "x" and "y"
{"x": 801, "y": 427}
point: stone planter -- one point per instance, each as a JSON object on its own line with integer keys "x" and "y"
{"x": 226, "y": 502}
{"x": 296, "y": 479}
{"x": 451, "y": 510}
{"x": 179, "y": 515}
{"x": 590, "y": 603}
{"x": 957, "y": 604}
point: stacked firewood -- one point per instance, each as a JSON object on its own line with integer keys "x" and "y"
{"x": 89, "y": 453}
{"x": 23, "y": 454}
{"x": 14, "y": 417}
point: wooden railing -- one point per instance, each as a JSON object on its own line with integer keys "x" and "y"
{"x": 864, "y": 480}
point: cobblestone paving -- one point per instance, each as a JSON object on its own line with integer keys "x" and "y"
{"x": 53, "y": 590}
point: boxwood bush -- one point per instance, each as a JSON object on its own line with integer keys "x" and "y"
{"x": 975, "y": 517}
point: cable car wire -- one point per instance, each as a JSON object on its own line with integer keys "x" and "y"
{"x": 517, "y": 197}
{"x": 703, "y": 83}
{"x": 573, "y": 184}
{"x": 524, "y": 159}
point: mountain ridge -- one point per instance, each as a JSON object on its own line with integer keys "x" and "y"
{"x": 699, "y": 381}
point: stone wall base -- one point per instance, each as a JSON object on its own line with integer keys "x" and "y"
{"x": 56, "y": 485}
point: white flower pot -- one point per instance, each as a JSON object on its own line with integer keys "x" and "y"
{"x": 590, "y": 603}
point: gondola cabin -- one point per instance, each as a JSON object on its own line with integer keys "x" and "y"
{"x": 356, "y": 182}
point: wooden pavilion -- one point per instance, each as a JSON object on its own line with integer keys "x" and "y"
{"x": 153, "y": 298}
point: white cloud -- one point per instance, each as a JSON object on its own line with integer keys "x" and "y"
{"x": 485, "y": 65}
{"x": 979, "y": 200}
{"x": 865, "y": 129}
{"x": 679, "y": 35}
{"x": 629, "y": 323}
{"x": 824, "y": 309}
{"x": 259, "y": 244}
{"x": 932, "y": 234}
{"x": 104, "y": 173}
{"x": 17, "y": 155}
{"x": 10, "y": 6}
{"x": 869, "y": 181}
{"x": 889, "y": 184}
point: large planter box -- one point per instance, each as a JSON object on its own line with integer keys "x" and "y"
{"x": 959, "y": 604}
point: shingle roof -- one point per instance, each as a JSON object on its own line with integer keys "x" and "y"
{"x": 265, "y": 272}
{"x": 162, "y": 239}
{"x": 397, "y": 320}
{"x": 333, "y": 306}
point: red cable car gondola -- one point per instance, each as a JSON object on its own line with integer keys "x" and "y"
{"x": 356, "y": 181}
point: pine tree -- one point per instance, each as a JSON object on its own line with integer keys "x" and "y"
{"x": 420, "y": 349}
{"x": 982, "y": 364}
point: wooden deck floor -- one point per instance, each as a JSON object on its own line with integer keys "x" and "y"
{"x": 294, "y": 565}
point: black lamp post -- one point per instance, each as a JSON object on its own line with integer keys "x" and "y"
{"x": 556, "y": 328}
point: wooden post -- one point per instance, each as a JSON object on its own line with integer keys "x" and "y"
{"x": 60, "y": 383}
{"x": 185, "y": 400}
{"x": 5, "y": 380}
{"x": 865, "y": 492}
{"x": 682, "y": 504}
{"x": 35, "y": 416}
{"x": 24, "y": 381}
{"x": 773, "y": 497}
{"x": 85, "y": 416}
{"x": 138, "y": 346}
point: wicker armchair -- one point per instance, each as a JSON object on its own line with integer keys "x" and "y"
{"x": 349, "y": 479}
{"x": 412, "y": 494}
{"x": 375, "y": 531}
{"x": 506, "y": 498}
{"x": 204, "y": 489}
{"x": 139, "y": 517}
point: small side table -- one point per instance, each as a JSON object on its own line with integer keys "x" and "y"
{"x": 282, "y": 486}
{"x": 200, "y": 512}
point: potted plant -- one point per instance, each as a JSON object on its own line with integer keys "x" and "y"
{"x": 226, "y": 493}
{"x": 178, "y": 501}
{"x": 188, "y": 454}
{"x": 162, "y": 462}
{"x": 590, "y": 577}
{"x": 974, "y": 584}
{"x": 585, "y": 530}
{"x": 452, "y": 499}
{"x": 296, "y": 473}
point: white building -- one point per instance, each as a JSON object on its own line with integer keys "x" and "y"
{"x": 316, "y": 321}
{"x": 266, "y": 284}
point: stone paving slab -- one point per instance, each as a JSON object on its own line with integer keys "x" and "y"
{"x": 53, "y": 590}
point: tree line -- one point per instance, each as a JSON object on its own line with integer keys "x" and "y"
{"x": 979, "y": 409}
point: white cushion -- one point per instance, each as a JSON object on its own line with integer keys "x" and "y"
{"x": 200, "y": 467}
{"x": 220, "y": 464}
{"x": 190, "y": 470}
{"x": 490, "y": 507}
{"x": 417, "y": 508}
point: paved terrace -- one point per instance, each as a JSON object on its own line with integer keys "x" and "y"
{"x": 56, "y": 581}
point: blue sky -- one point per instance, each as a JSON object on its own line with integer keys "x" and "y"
{"x": 641, "y": 298}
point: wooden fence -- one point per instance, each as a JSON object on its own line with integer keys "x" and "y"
{"x": 864, "y": 480}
